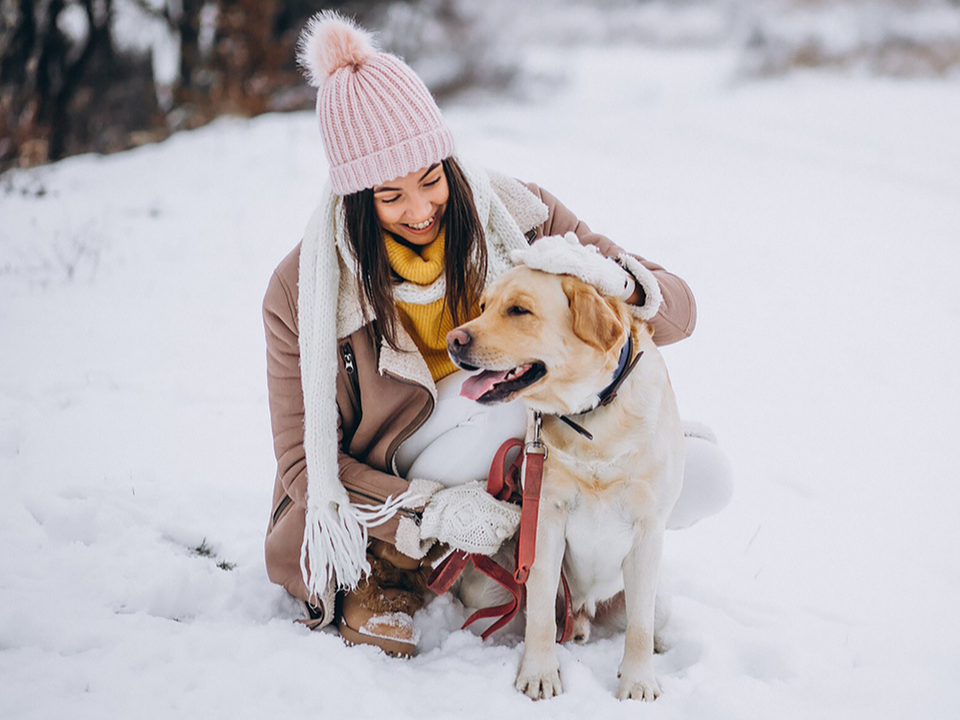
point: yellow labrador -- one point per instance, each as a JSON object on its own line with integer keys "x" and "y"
{"x": 554, "y": 342}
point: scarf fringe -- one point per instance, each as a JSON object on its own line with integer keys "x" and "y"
{"x": 335, "y": 539}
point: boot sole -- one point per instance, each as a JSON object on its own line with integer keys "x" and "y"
{"x": 393, "y": 648}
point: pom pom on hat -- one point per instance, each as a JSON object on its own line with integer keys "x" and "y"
{"x": 330, "y": 42}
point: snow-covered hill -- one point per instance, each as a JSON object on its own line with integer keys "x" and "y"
{"x": 817, "y": 219}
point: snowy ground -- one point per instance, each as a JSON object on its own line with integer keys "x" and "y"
{"x": 817, "y": 220}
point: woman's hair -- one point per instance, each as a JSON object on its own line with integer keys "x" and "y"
{"x": 465, "y": 254}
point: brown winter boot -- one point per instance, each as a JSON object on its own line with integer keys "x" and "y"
{"x": 380, "y": 610}
{"x": 391, "y": 631}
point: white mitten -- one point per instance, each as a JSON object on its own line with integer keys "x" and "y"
{"x": 409, "y": 538}
{"x": 468, "y": 518}
{"x": 564, "y": 255}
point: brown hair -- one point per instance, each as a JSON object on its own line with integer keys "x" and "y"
{"x": 465, "y": 254}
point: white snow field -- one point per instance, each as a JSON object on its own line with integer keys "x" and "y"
{"x": 817, "y": 219}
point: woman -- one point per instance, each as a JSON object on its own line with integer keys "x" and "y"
{"x": 378, "y": 458}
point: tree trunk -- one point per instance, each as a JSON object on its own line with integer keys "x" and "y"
{"x": 188, "y": 26}
{"x": 98, "y": 40}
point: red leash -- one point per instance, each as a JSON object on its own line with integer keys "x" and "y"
{"x": 502, "y": 483}
{"x": 534, "y": 455}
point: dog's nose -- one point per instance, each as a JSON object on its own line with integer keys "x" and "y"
{"x": 457, "y": 341}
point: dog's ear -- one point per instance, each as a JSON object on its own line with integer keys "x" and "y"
{"x": 594, "y": 321}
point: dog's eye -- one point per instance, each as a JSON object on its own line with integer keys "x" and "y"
{"x": 517, "y": 310}
{"x": 483, "y": 306}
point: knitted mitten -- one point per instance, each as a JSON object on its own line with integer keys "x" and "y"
{"x": 564, "y": 255}
{"x": 468, "y": 518}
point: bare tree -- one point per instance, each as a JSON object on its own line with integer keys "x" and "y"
{"x": 49, "y": 80}
{"x": 64, "y": 92}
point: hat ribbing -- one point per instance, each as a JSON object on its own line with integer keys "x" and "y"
{"x": 377, "y": 118}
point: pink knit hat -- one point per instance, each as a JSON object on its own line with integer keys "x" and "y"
{"x": 377, "y": 118}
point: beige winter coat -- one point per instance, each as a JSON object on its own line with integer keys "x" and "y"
{"x": 379, "y": 411}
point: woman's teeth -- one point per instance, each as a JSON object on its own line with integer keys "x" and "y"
{"x": 421, "y": 226}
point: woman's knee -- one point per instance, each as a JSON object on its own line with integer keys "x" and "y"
{"x": 707, "y": 483}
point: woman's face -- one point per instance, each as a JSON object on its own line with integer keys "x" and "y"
{"x": 411, "y": 207}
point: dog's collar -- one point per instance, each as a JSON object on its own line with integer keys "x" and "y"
{"x": 609, "y": 393}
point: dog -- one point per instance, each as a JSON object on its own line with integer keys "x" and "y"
{"x": 556, "y": 344}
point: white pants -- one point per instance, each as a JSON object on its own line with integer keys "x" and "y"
{"x": 458, "y": 441}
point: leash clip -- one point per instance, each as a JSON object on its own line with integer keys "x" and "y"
{"x": 536, "y": 445}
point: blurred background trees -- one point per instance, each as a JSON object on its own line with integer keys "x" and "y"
{"x": 105, "y": 75}
{"x": 81, "y": 75}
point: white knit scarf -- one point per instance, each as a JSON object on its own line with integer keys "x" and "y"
{"x": 336, "y": 533}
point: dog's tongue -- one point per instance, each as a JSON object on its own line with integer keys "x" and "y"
{"x": 478, "y": 385}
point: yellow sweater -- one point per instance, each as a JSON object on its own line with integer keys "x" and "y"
{"x": 428, "y": 324}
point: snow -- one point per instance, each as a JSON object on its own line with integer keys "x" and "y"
{"x": 816, "y": 219}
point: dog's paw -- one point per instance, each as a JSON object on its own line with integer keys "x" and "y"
{"x": 640, "y": 685}
{"x": 581, "y": 628}
{"x": 659, "y": 646}
{"x": 539, "y": 680}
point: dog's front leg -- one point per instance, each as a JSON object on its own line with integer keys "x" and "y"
{"x": 641, "y": 568}
{"x": 539, "y": 675}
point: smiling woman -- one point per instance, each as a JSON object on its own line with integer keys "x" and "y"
{"x": 401, "y": 202}
{"x": 418, "y": 227}
{"x": 379, "y": 457}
